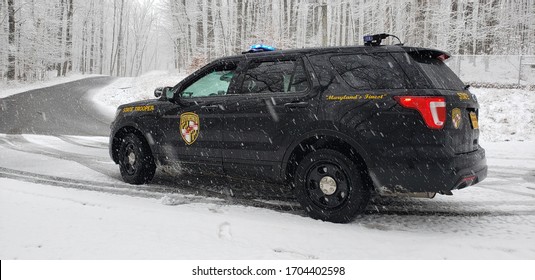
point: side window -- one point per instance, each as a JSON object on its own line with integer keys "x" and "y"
{"x": 275, "y": 76}
{"x": 370, "y": 71}
{"x": 215, "y": 82}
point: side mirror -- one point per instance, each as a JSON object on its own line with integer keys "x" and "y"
{"x": 162, "y": 92}
{"x": 158, "y": 92}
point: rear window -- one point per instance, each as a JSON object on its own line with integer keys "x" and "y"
{"x": 370, "y": 71}
{"x": 438, "y": 74}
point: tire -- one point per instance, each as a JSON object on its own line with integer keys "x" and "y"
{"x": 136, "y": 162}
{"x": 329, "y": 186}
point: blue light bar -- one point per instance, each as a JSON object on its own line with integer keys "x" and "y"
{"x": 261, "y": 48}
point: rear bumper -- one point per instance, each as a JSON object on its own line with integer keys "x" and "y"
{"x": 430, "y": 174}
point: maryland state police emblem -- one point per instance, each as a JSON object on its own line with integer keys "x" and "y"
{"x": 456, "y": 117}
{"x": 189, "y": 127}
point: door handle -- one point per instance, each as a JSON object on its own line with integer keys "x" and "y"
{"x": 212, "y": 107}
{"x": 301, "y": 104}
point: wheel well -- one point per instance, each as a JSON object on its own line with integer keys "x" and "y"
{"x": 325, "y": 142}
{"x": 119, "y": 135}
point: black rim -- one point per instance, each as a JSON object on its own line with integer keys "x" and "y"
{"x": 129, "y": 166}
{"x": 317, "y": 195}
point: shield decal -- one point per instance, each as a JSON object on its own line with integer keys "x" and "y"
{"x": 189, "y": 127}
{"x": 456, "y": 117}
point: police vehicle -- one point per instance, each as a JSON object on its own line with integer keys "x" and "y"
{"x": 335, "y": 124}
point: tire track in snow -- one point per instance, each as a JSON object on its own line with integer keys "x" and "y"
{"x": 187, "y": 195}
{"x": 205, "y": 189}
{"x": 207, "y": 186}
{"x": 18, "y": 143}
{"x": 71, "y": 140}
{"x": 494, "y": 188}
{"x": 182, "y": 194}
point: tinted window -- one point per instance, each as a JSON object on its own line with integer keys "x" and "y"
{"x": 275, "y": 76}
{"x": 439, "y": 75}
{"x": 370, "y": 71}
{"x": 215, "y": 82}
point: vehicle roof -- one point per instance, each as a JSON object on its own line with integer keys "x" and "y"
{"x": 341, "y": 49}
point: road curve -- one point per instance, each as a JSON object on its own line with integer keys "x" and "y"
{"x": 64, "y": 109}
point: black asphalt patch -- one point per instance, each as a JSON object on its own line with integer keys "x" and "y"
{"x": 64, "y": 109}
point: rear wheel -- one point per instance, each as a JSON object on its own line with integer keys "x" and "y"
{"x": 136, "y": 162}
{"x": 329, "y": 186}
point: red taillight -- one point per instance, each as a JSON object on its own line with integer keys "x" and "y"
{"x": 431, "y": 108}
{"x": 443, "y": 57}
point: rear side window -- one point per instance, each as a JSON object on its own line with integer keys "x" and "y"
{"x": 438, "y": 74}
{"x": 275, "y": 76}
{"x": 370, "y": 71}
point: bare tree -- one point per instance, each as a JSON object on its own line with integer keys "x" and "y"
{"x": 53, "y": 37}
{"x": 101, "y": 39}
{"x": 119, "y": 50}
{"x": 61, "y": 36}
{"x": 11, "y": 41}
{"x": 67, "y": 66}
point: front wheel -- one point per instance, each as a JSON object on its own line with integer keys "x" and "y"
{"x": 136, "y": 162}
{"x": 329, "y": 186}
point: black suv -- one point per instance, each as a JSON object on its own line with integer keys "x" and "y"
{"x": 335, "y": 124}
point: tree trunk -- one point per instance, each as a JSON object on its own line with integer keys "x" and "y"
{"x": 83, "y": 56}
{"x": 101, "y": 39}
{"x": 239, "y": 26}
{"x": 120, "y": 40}
{"x": 324, "y": 38}
{"x": 67, "y": 66}
{"x": 92, "y": 40}
{"x": 112, "y": 57}
{"x": 11, "y": 40}
{"x": 60, "y": 36}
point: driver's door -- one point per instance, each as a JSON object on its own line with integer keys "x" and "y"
{"x": 192, "y": 126}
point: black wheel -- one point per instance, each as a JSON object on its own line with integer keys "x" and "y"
{"x": 329, "y": 186}
{"x": 135, "y": 160}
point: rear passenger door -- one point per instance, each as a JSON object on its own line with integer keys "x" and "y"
{"x": 268, "y": 110}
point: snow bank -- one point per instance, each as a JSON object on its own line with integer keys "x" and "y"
{"x": 12, "y": 88}
{"x": 126, "y": 90}
{"x": 506, "y": 114}
{"x": 496, "y": 69}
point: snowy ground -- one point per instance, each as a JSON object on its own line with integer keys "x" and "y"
{"x": 62, "y": 198}
{"x": 496, "y": 69}
{"x": 506, "y": 114}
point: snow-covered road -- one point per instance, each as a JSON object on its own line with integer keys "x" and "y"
{"x": 62, "y": 198}
{"x": 57, "y": 110}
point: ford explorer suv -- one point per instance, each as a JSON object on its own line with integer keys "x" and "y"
{"x": 335, "y": 124}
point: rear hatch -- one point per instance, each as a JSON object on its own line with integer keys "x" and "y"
{"x": 431, "y": 76}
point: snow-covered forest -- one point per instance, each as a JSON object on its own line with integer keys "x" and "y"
{"x": 129, "y": 37}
